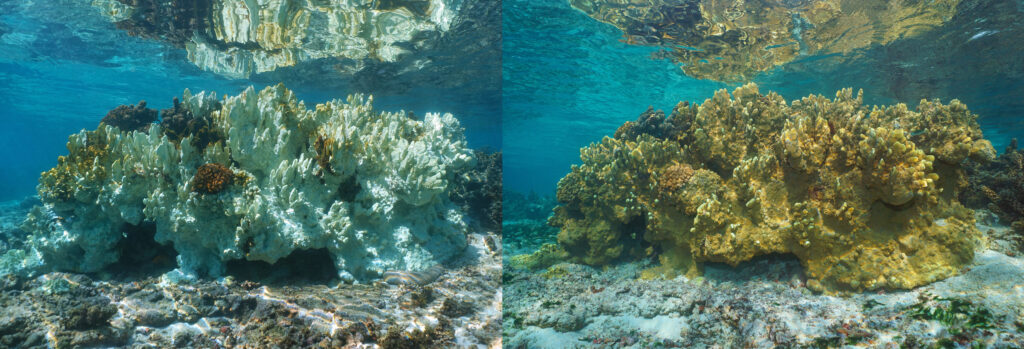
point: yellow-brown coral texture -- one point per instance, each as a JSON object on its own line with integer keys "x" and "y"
{"x": 212, "y": 178}
{"x": 864, "y": 196}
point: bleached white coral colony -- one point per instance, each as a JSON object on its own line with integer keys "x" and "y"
{"x": 370, "y": 187}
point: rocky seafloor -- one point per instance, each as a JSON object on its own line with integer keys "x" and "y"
{"x": 765, "y": 303}
{"x": 61, "y": 310}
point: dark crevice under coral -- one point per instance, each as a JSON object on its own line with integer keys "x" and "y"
{"x": 764, "y": 266}
{"x": 349, "y": 189}
{"x": 130, "y": 118}
{"x": 313, "y": 266}
{"x": 478, "y": 192}
{"x": 140, "y": 254}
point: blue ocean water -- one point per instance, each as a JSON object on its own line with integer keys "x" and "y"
{"x": 569, "y": 80}
{"x": 605, "y": 268}
{"x": 63, "y": 66}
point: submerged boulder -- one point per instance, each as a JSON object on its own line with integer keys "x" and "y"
{"x": 375, "y": 195}
{"x": 865, "y": 197}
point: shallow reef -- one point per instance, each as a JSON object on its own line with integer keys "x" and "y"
{"x": 734, "y": 40}
{"x": 759, "y": 304}
{"x": 865, "y": 197}
{"x": 371, "y": 188}
{"x": 458, "y": 308}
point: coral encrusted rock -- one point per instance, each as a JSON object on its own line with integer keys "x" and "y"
{"x": 261, "y": 193}
{"x": 865, "y": 197}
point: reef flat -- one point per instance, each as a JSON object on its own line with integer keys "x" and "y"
{"x": 61, "y": 310}
{"x": 762, "y": 303}
{"x": 253, "y": 177}
{"x": 865, "y": 197}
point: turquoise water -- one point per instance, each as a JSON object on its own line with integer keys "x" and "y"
{"x": 63, "y": 66}
{"x": 368, "y": 220}
{"x": 670, "y": 238}
{"x": 570, "y": 80}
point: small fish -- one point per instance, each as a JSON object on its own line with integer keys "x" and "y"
{"x": 410, "y": 278}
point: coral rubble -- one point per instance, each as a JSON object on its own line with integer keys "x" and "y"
{"x": 865, "y": 197}
{"x": 62, "y": 310}
{"x": 733, "y": 40}
{"x": 382, "y": 203}
{"x": 241, "y": 38}
{"x": 759, "y": 304}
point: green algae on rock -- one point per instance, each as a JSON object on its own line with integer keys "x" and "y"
{"x": 382, "y": 204}
{"x": 865, "y": 197}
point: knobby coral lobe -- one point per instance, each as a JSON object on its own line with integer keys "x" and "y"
{"x": 131, "y": 117}
{"x": 178, "y": 122}
{"x": 212, "y": 178}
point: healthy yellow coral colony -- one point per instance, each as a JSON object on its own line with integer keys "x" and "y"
{"x": 87, "y": 154}
{"x": 864, "y": 197}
